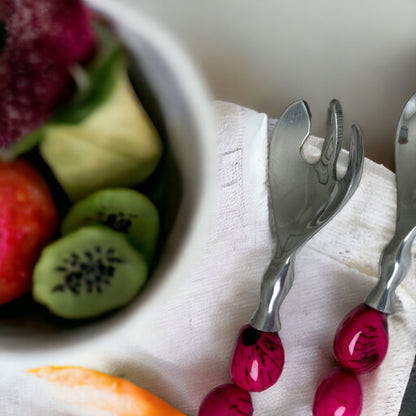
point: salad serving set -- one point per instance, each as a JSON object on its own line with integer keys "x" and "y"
{"x": 303, "y": 198}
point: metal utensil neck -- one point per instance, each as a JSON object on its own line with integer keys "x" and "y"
{"x": 277, "y": 281}
{"x": 396, "y": 258}
{"x": 394, "y": 265}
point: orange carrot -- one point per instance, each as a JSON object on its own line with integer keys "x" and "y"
{"x": 99, "y": 391}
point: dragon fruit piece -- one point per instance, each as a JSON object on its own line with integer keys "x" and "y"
{"x": 44, "y": 39}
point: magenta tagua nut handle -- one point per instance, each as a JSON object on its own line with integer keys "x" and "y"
{"x": 338, "y": 394}
{"x": 226, "y": 400}
{"x": 360, "y": 345}
{"x": 361, "y": 340}
{"x": 256, "y": 365}
{"x": 258, "y": 359}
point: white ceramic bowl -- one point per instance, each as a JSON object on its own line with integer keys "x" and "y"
{"x": 175, "y": 97}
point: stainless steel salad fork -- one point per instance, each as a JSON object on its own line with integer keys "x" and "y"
{"x": 304, "y": 197}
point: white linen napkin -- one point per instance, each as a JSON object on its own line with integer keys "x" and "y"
{"x": 187, "y": 353}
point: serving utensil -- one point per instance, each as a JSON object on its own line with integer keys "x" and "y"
{"x": 361, "y": 340}
{"x": 304, "y": 197}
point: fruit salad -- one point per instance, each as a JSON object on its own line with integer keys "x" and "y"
{"x": 79, "y": 233}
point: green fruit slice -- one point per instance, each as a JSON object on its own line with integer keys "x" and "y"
{"x": 87, "y": 273}
{"x": 121, "y": 209}
{"x": 117, "y": 145}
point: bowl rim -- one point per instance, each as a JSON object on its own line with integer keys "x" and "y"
{"x": 197, "y": 96}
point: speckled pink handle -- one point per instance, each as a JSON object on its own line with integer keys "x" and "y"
{"x": 361, "y": 340}
{"x": 258, "y": 359}
{"x": 338, "y": 394}
{"x": 360, "y": 345}
{"x": 256, "y": 365}
{"x": 227, "y": 400}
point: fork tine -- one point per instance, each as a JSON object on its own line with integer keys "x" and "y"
{"x": 355, "y": 162}
{"x": 333, "y": 140}
{"x": 335, "y": 109}
{"x": 351, "y": 179}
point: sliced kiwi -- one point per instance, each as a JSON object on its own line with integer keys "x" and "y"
{"x": 122, "y": 209}
{"x": 87, "y": 273}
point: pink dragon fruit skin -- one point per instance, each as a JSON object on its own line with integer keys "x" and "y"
{"x": 44, "y": 39}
